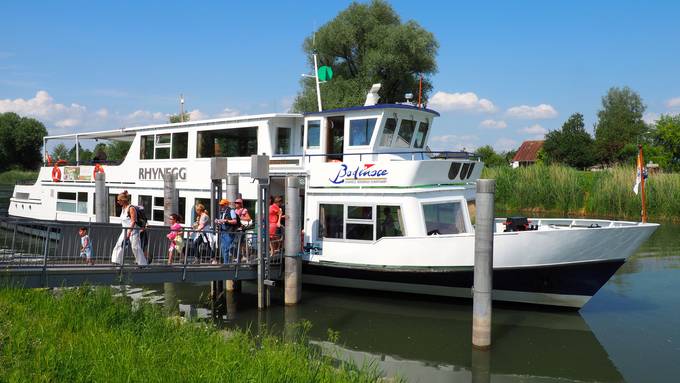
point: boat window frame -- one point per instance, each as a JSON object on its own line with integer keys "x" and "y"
{"x": 289, "y": 149}
{"x": 424, "y": 138}
{"x": 382, "y": 131}
{"x": 154, "y": 137}
{"x": 373, "y": 221}
{"x": 213, "y": 131}
{"x": 465, "y": 214}
{"x": 77, "y": 203}
{"x": 397, "y": 136}
{"x": 359, "y": 221}
{"x": 348, "y": 133}
{"x": 306, "y": 140}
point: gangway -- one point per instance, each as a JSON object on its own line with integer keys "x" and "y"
{"x": 47, "y": 254}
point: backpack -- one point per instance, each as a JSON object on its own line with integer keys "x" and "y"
{"x": 141, "y": 220}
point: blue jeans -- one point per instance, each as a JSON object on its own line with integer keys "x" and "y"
{"x": 226, "y": 239}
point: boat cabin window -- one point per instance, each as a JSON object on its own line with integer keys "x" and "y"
{"x": 360, "y": 222}
{"x": 331, "y": 222}
{"x": 163, "y": 146}
{"x": 388, "y": 132}
{"x": 313, "y": 133}
{"x": 283, "y": 140}
{"x": 361, "y": 131}
{"x": 72, "y": 202}
{"x": 236, "y": 142}
{"x": 444, "y": 218}
{"x": 405, "y": 134}
{"x": 154, "y": 207}
{"x": 114, "y": 208}
{"x": 419, "y": 142}
{"x": 390, "y": 222}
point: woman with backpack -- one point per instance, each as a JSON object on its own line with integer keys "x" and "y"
{"x": 130, "y": 232}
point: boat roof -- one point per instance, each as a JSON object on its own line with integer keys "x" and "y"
{"x": 129, "y": 131}
{"x": 370, "y": 107}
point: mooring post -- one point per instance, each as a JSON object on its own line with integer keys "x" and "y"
{"x": 101, "y": 193}
{"x": 218, "y": 171}
{"x": 293, "y": 264}
{"x": 481, "y": 289}
{"x": 170, "y": 197}
{"x": 232, "y": 195}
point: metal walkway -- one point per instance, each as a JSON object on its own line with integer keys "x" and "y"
{"x": 47, "y": 254}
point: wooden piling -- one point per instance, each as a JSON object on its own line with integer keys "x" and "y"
{"x": 293, "y": 263}
{"x": 101, "y": 192}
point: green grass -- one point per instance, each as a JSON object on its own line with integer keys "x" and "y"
{"x": 565, "y": 191}
{"x": 11, "y": 177}
{"x": 88, "y": 335}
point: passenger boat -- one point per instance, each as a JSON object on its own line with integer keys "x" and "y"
{"x": 381, "y": 211}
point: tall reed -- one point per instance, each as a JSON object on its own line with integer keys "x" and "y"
{"x": 563, "y": 190}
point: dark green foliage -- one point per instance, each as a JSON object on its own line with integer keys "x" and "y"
{"x": 619, "y": 123}
{"x": 117, "y": 150}
{"x": 21, "y": 140}
{"x": 367, "y": 44}
{"x": 490, "y": 157}
{"x": 87, "y": 335}
{"x": 571, "y": 145}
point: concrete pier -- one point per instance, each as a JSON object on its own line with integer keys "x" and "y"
{"x": 170, "y": 197}
{"x": 483, "y": 271}
{"x": 101, "y": 192}
{"x": 293, "y": 266}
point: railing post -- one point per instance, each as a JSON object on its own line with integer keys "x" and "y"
{"x": 260, "y": 171}
{"x": 45, "y": 251}
{"x": 483, "y": 270}
{"x": 293, "y": 263}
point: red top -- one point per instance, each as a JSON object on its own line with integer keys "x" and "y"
{"x": 274, "y": 210}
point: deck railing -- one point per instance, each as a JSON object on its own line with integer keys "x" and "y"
{"x": 27, "y": 244}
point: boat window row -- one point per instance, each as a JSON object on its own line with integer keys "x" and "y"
{"x": 164, "y": 146}
{"x": 365, "y": 223}
{"x": 406, "y": 136}
{"x": 234, "y": 142}
{"x": 444, "y": 218}
{"x": 72, "y": 202}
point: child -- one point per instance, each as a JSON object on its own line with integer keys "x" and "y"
{"x": 175, "y": 237}
{"x": 85, "y": 246}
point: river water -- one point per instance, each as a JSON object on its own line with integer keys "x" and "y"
{"x": 629, "y": 331}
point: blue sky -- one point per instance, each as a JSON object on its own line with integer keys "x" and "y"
{"x": 508, "y": 71}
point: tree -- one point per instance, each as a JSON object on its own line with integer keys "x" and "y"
{"x": 570, "y": 145}
{"x": 490, "y": 157}
{"x": 367, "y": 44}
{"x": 666, "y": 133}
{"x": 117, "y": 150}
{"x": 60, "y": 152}
{"x": 619, "y": 123}
{"x": 21, "y": 140}
{"x": 175, "y": 118}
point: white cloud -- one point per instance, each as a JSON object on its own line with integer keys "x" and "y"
{"x": 67, "y": 123}
{"x": 197, "y": 115}
{"x": 43, "y": 107}
{"x": 453, "y": 142}
{"x": 228, "y": 112}
{"x": 461, "y": 101}
{"x": 534, "y": 129}
{"x": 505, "y": 144}
{"x": 493, "y": 124}
{"x": 102, "y": 113}
{"x": 537, "y": 112}
{"x": 673, "y": 103}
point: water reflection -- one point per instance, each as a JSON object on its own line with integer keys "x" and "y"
{"x": 628, "y": 331}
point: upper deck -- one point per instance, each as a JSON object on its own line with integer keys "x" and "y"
{"x": 297, "y": 143}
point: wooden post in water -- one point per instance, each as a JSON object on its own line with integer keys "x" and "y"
{"x": 101, "y": 193}
{"x": 481, "y": 290}
{"x": 293, "y": 264}
{"x": 232, "y": 195}
{"x": 260, "y": 171}
{"x": 218, "y": 171}
{"x": 170, "y": 197}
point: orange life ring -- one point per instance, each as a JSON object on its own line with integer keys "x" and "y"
{"x": 56, "y": 173}
{"x": 97, "y": 169}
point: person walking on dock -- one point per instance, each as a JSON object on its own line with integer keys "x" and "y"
{"x": 130, "y": 232}
{"x": 176, "y": 237}
{"x": 228, "y": 224}
{"x": 85, "y": 246}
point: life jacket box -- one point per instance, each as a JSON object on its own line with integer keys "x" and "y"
{"x": 516, "y": 224}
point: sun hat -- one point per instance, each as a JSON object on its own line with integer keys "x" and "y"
{"x": 224, "y": 201}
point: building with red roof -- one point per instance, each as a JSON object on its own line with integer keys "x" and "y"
{"x": 527, "y": 154}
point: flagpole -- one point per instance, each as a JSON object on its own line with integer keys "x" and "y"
{"x": 641, "y": 162}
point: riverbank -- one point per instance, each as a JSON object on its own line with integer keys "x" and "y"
{"x": 11, "y": 177}
{"x": 561, "y": 190}
{"x": 87, "y": 334}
